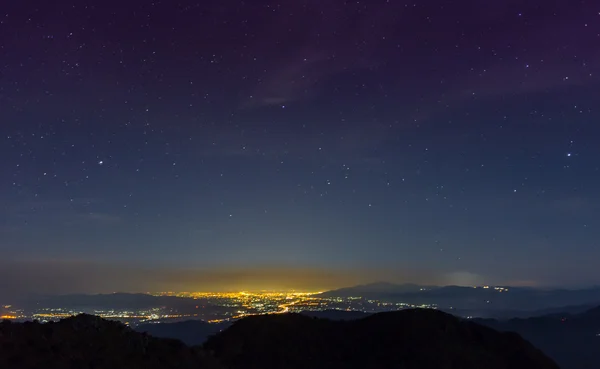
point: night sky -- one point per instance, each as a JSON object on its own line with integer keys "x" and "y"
{"x": 223, "y": 144}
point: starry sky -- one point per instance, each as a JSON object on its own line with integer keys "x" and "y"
{"x": 312, "y": 144}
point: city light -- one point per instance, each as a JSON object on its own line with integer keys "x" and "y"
{"x": 216, "y": 307}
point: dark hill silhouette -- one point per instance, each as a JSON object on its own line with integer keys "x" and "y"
{"x": 333, "y": 314}
{"x": 408, "y": 339}
{"x": 196, "y": 332}
{"x": 191, "y": 332}
{"x": 593, "y": 313}
{"x": 570, "y": 339}
{"x": 86, "y": 341}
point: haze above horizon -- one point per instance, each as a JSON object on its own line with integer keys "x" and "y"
{"x": 310, "y": 145}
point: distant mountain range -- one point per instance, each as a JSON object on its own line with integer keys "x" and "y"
{"x": 492, "y": 302}
{"x": 373, "y": 289}
{"x": 124, "y": 301}
{"x": 480, "y": 301}
{"x": 112, "y": 301}
{"x": 410, "y": 339}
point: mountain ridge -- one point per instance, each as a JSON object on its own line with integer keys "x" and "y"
{"x": 87, "y": 341}
{"x": 570, "y": 339}
{"x": 478, "y": 301}
{"x": 413, "y": 338}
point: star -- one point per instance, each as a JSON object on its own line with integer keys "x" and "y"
{"x": 172, "y": 120}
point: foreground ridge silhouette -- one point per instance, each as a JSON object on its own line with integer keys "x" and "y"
{"x": 572, "y": 340}
{"x": 411, "y": 339}
{"x": 87, "y": 341}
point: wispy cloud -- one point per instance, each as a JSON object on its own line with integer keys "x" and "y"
{"x": 94, "y": 217}
{"x": 576, "y": 205}
{"x": 317, "y": 52}
{"x": 65, "y": 212}
{"x": 290, "y": 82}
{"x": 463, "y": 278}
{"x": 10, "y": 228}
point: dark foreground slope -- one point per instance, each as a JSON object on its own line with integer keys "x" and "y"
{"x": 572, "y": 340}
{"x": 87, "y": 341}
{"x": 414, "y": 339}
{"x": 410, "y": 339}
{"x": 191, "y": 332}
{"x": 196, "y": 332}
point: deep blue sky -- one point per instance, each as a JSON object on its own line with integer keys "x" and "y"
{"x": 305, "y": 144}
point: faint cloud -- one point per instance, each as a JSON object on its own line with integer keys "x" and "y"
{"x": 292, "y": 81}
{"x": 575, "y": 204}
{"x": 202, "y": 231}
{"x": 552, "y": 69}
{"x": 463, "y": 278}
{"x": 68, "y": 212}
{"x": 522, "y": 283}
{"x": 11, "y": 228}
{"x": 99, "y": 218}
{"x": 318, "y": 53}
{"x": 275, "y": 100}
